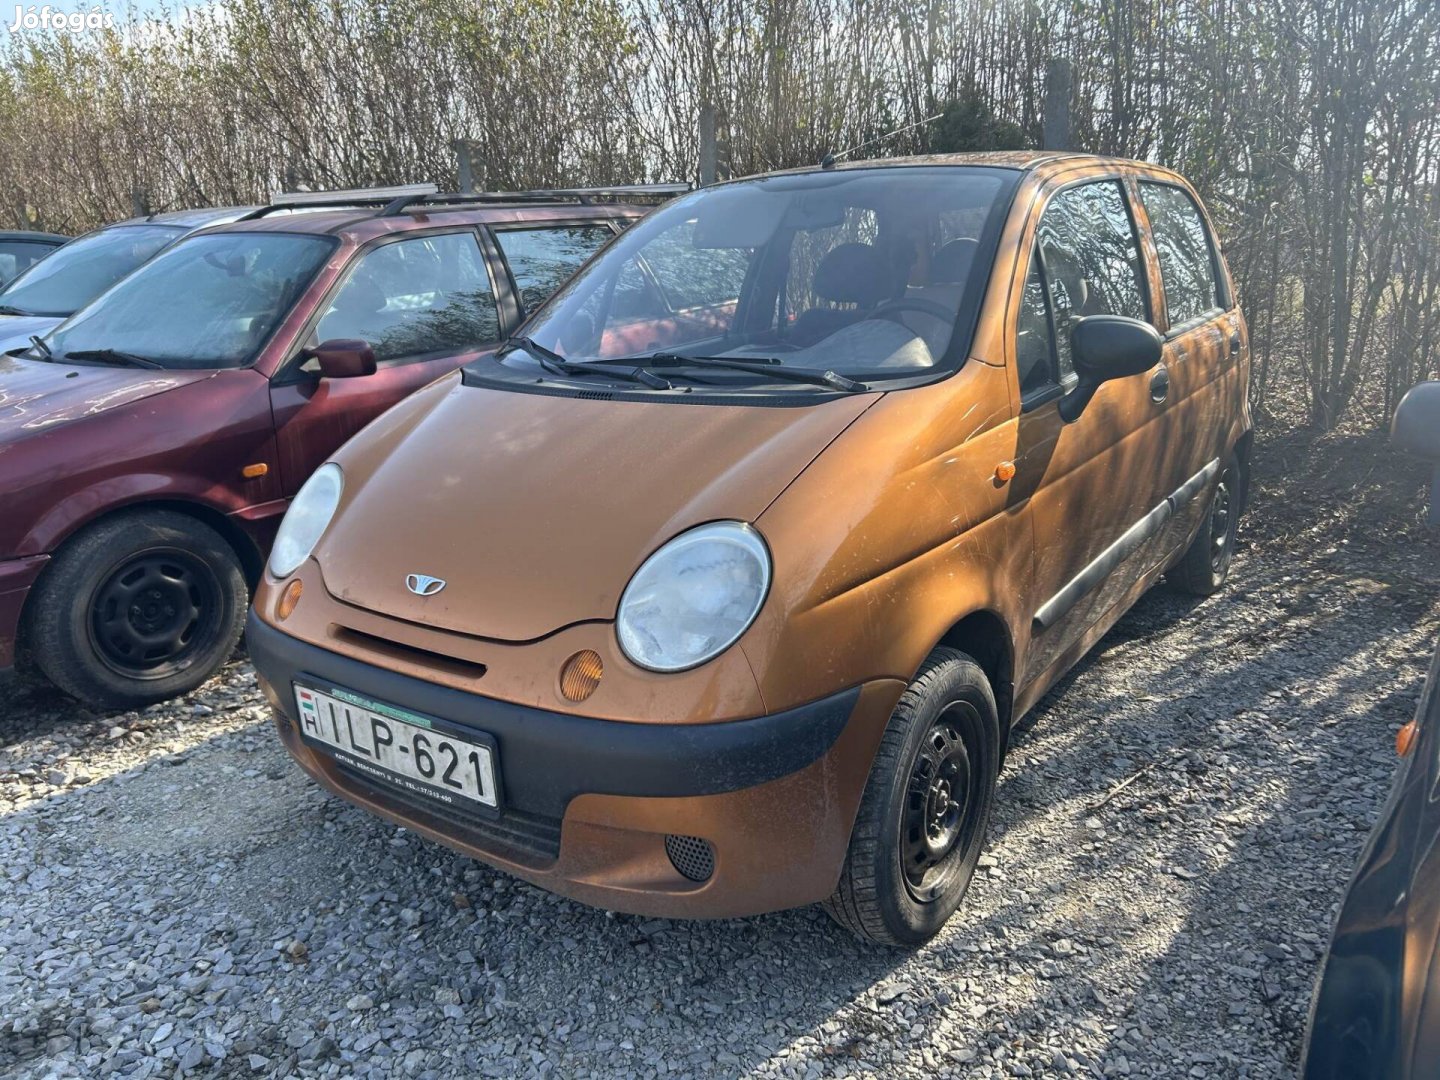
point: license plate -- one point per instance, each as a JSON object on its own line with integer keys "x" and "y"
{"x": 410, "y": 753}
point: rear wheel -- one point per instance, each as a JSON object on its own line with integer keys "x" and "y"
{"x": 923, "y": 815}
{"x": 1203, "y": 568}
{"x": 138, "y": 608}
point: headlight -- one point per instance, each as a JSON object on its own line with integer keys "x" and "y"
{"x": 694, "y": 597}
{"x": 306, "y": 520}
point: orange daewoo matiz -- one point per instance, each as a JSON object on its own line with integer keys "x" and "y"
{"x": 721, "y": 589}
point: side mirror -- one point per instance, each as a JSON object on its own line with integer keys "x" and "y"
{"x": 1106, "y": 347}
{"x": 1416, "y": 430}
{"x": 343, "y": 358}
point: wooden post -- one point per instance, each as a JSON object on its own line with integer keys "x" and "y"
{"x": 709, "y": 148}
{"x": 1058, "y": 89}
{"x": 469, "y": 163}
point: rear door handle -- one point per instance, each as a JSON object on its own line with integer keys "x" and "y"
{"x": 1160, "y": 385}
{"x": 1235, "y": 343}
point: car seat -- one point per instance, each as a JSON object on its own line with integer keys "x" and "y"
{"x": 848, "y": 274}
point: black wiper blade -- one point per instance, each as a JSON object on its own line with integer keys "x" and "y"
{"x": 556, "y": 364}
{"x": 114, "y": 356}
{"x": 770, "y": 366}
{"x": 6, "y": 309}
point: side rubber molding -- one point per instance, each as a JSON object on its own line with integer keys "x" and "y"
{"x": 1099, "y": 569}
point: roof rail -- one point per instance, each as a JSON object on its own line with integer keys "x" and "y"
{"x": 416, "y": 197}
{"x": 583, "y": 195}
{"x": 399, "y": 195}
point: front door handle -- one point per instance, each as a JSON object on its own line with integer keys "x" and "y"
{"x": 1160, "y": 385}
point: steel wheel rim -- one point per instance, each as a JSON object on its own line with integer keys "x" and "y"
{"x": 1220, "y": 524}
{"x": 155, "y": 613}
{"x": 937, "y": 821}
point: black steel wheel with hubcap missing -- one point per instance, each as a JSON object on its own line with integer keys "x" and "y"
{"x": 922, "y": 817}
{"x": 137, "y": 608}
{"x": 938, "y": 819}
{"x": 1204, "y": 567}
{"x": 155, "y": 613}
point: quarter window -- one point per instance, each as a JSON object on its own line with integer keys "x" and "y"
{"x": 429, "y": 294}
{"x": 1090, "y": 260}
{"x": 1187, "y": 257}
{"x": 542, "y": 259}
{"x": 1034, "y": 344}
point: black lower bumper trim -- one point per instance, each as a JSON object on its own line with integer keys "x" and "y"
{"x": 520, "y": 837}
{"x": 547, "y": 758}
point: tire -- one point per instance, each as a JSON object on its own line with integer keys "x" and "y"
{"x": 1203, "y": 568}
{"x": 140, "y": 607}
{"x": 885, "y": 894}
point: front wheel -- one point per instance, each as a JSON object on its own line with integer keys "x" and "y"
{"x": 922, "y": 818}
{"x": 140, "y": 607}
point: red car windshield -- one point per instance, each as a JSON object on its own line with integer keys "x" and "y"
{"x": 211, "y": 301}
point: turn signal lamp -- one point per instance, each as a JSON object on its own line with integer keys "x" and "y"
{"x": 580, "y": 675}
{"x": 288, "y": 599}
{"x": 1405, "y": 739}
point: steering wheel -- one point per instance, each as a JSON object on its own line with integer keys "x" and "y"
{"x": 913, "y": 303}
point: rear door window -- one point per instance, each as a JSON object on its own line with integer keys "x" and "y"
{"x": 1186, "y": 252}
{"x": 416, "y": 297}
{"x": 541, "y": 260}
{"x": 1090, "y": 260}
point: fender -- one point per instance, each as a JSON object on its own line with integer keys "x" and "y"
{"x": 187, "y": 445}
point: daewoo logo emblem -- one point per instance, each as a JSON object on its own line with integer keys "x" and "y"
{"x": 423, "y": 584}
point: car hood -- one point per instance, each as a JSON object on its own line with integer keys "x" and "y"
{"x": 536, "y": 509}
{"x": 36, "y": 395}
{"x": 15, "y": 330}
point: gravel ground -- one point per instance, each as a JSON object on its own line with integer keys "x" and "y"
{"x": 178, "y": 899}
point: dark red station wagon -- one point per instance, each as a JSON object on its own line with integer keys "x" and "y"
{"x": 150, "y": 444}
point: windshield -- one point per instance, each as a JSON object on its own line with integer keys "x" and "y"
{"x": 860, "y": 272}
{"x": 80, "y": 271}
{"x": 210, "y": 301}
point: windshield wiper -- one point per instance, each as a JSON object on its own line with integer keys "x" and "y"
{"x": 770, "y": 366}
{"x": 37, "y": 343}
{"x": 114, "y": 356}
{"x": 556, "y": 364}
{"x": 6, "y": 309}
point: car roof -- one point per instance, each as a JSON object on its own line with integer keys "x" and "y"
{"x": 1022, "y": 160}
{"x": 189, "y": 219}
{"x": 32, "y": 236}
{"x": 366, "y": 222}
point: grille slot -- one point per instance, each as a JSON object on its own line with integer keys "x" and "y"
{"x": 396, "y": 650}
{"x": 693, "y": 857}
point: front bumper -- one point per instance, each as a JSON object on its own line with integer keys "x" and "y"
{"x": 16, "y": 577}
{"x": 588, "y": 803}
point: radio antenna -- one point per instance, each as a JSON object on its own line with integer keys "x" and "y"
{"x": 829, "y": 160}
